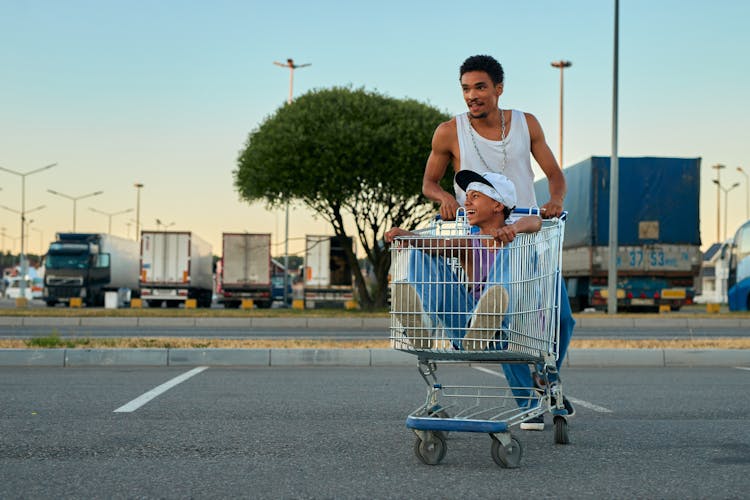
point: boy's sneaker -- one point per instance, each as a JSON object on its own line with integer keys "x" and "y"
{"x": 487, "y": 319}
{"x": 533, "y": 424}
{"x": 409, "y": 312}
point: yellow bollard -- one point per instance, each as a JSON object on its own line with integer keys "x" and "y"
{"x": 298, "y": 304}
{"x": 664, "y": 308}
{"x": 22, "y": 302}
{"x": 136, "y": 303}
{"x": 713, "y": 308}
{"x": 76, "y": 302}
{"x": 351, "y": 304}
{"x": 191, "y": 303}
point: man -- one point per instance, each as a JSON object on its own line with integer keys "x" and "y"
{"x": 488, "y": 138}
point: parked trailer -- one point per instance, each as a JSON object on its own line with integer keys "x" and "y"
{"x": 175, "y": 266}
{"x": 87, "y": 265}
{"x": 658, "y": 253}
{"x": 245, "y": 270}
{"x": 327, "y": 274}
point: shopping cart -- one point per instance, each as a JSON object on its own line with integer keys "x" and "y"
{"x": 458, "y": 297}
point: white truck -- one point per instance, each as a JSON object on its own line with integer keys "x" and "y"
{"x": 245, "y": 270}
{"x": 175, "y": 266}
{"x": 86, "y": 265}
{"x": 327, "y": 274}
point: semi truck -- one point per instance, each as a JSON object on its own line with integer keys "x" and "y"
{"x": 327, "y": 275}
{"x": 87, "y": 265}
{"x": 658, "y": 237}
{"x": 175, "y": 266}
{"x": 246, "y": 270}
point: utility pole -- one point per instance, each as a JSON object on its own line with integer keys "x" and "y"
{"x": 289, "y": 64}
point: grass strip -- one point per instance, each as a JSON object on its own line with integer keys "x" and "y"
{"x": 55, "y": 341}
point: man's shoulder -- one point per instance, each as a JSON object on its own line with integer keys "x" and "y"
{"x": 446, "y": 131}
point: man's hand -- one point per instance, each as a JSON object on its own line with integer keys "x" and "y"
{"x": 553, "y": 208}
{"x": 448, "y": 207}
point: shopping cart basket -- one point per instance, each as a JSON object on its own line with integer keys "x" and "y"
{"x": 457, "y": 296}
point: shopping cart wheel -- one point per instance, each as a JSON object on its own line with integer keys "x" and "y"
{"x": 507, "y": 457}
{"x": 431, "y": 450}
{"x": 561, "y": 430}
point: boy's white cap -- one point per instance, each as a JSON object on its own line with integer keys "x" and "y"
{"x": 495, "y": 185}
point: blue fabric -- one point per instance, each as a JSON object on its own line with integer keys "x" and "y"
{"x": 519, "y": 375}
{"x": 444, "y": 298}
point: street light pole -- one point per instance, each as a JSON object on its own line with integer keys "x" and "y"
{"x": 110, "y": 215}
{"x": 289, "y": 64}
{"x": 138, "y": 186}
{"x": 747, "y": 193}
{"x": 614, "y": 176}
{"x": 726, "y": 202}
{"x": 717, "y": 181}
{"x": 22, "y": 255}
{"x": 561, "y": 65}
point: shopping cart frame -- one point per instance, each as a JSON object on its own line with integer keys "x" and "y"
{"x": 494, "y": 410}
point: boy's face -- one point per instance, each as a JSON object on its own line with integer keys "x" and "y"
{"x": 480, "y": 94}
{"x": 481, "y": 209}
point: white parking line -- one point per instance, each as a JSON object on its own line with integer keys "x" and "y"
{"x": 156, "y": 391}
{"x": 743, "y": 368}
{"x": 579, "y": 402}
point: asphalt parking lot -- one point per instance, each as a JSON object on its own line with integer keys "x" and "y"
{"x": 338, "y": 432}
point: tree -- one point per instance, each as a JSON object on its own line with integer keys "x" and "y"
{"x": 341, "y": 151}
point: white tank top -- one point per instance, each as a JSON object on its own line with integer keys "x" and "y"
{"x": 517, "y": 145}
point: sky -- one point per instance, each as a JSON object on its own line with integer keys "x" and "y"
{"x": 165, "y": 94}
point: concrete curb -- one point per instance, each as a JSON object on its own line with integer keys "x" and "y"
{"x": 364, "y": 323}
{"x": 577, "y": 358}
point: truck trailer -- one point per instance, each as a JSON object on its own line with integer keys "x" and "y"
{"x": 87, "y": 265}
{"x": 246, "y": 270}
{"x": 175, "y": 266}
{"x": 658, "y": 237}
{"x": 327, "y": 275}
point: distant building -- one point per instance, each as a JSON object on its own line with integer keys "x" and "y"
{"x": 714, "y": 274}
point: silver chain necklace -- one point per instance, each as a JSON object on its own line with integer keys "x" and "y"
{"x": 503, "y": 146}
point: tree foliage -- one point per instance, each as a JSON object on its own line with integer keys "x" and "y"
{"x": 343, "y": 152}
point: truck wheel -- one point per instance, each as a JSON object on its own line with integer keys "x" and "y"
{"x": 156, "y": 304}
{"x": 51, "y": 303}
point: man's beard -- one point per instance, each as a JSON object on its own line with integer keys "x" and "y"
{"x": 479, "y": 116}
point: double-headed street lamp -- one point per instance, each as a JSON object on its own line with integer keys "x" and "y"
{"x": 747, "y": 193}
{"x": 74, "y": 199}
{"x": 160, "y": 224}
{"x": 726, "y": 202}
{"x": 22, "y": 256}
{"x": 110, "y": 215}
{"x": 718, "y": 167}
{"x": 289, "y": 64}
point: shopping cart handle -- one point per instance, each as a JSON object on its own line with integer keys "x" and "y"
{"x": 517, "y": 210}
{"x": 536, "y": 211}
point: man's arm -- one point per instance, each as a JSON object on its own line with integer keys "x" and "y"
{"x": 546, "y": 160}
{"x": 437, "y": 163}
